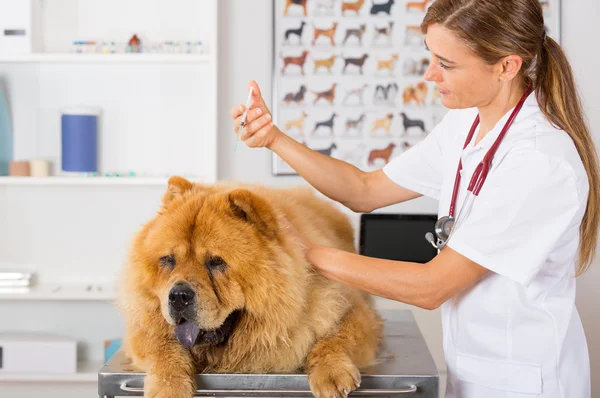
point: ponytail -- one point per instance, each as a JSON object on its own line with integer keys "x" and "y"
{"x": 558, "y": 99}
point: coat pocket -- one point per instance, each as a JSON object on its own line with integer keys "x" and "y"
{"x": 501, "y": 375}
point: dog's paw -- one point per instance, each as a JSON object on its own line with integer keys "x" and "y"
{"x": 157, "y": 386}
{"x": 334, "y": 379}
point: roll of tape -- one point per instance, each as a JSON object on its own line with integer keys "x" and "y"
{"x": 39, "y": 168}
{"x": 19, "y": 168}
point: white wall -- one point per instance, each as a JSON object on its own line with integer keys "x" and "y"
{"x": 578, "y": 16}
{"x": 245, "y": 34}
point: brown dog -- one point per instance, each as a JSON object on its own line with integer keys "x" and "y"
{"x": 289, "y": 3}
{"x": 325, "y": 63}
{"x": 328, "y": 95}
{"x": 354, "y": 6}
{"x": 383, "y": 123}
{"x": 384, "y": 153}
{"x": 297, "y": 123}
{"x": 389, "y": 64}
{"x": 215, "y": 284}
{"x": 329, "y": 32}
{"x": 418, "y": 5}
{"x": 416, "y": 94}
{"x": 299, "y": 61}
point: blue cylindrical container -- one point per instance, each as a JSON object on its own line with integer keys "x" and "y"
{"x": 6, "y": 140}
{"x": 79, "y": 138}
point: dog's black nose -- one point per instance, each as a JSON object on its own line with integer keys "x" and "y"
{"x": 181, "y": 296}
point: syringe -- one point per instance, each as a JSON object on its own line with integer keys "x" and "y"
{"x": 243, "y": 122}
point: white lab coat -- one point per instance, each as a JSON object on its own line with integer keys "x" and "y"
{"x": 516, "y": 333}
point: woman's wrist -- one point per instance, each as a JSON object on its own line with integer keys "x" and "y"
{"x": 277, "y": 135}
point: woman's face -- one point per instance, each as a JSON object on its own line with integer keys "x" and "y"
{"x": 463, "y": 79}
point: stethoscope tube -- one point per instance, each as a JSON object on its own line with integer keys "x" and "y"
{"x": 446, "y": 225}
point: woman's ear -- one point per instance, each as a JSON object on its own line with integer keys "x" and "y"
{"x": 509, "y": 67}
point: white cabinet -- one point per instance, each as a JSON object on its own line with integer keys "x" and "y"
{"x": 159, "y": 118}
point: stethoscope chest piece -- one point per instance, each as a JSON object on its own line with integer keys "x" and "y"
{"x": 443, "y": 227}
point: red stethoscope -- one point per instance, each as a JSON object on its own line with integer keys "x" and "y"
{"x": 447, "y": 224}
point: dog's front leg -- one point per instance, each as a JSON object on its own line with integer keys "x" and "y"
{"x": 168, "y": 377}
{"x": 169, "y": 366}
{"x": 334, "y": 361}
{"x": 331, "y": 372}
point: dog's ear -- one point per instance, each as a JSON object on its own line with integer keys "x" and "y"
{"x": 176, "y": 187}
{"x": 254, "y": 210}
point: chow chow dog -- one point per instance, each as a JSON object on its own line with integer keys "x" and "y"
{"x": 215, "y": 283}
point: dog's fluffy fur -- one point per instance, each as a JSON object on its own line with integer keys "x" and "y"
{"x": 227, "y": 243}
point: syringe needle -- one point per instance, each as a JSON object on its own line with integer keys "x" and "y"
{"x": 243, "y": 122}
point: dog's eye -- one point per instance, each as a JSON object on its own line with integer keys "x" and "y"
{"x": 216, "y": 263}
{"x": 168, "y": 261}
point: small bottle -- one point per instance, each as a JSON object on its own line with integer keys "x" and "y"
{"x": 90, "y": 46}
{"x": 77, "y": 46}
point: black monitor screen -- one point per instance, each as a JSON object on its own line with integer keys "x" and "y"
{"x": 398, "y": 237}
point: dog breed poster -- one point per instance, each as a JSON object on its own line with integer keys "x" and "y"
{"x": 348, "y": 77}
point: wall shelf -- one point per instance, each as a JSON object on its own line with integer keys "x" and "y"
{"x": 61, "y": 292}
{"x": 106, "y": 58}
{"x": 86, "y": 181}
{"x": 87, "y": 371}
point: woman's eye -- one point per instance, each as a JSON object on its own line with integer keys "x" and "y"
{"x": 444, "y": 66}
{"x": 216, "y": 263}
{"x": 168, "y": 261}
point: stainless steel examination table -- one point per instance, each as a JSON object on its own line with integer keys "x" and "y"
{"x": 405, "y": 368}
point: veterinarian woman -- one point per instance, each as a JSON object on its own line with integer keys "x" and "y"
{"x": 506, "y": 279}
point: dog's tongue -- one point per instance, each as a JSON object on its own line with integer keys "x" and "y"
{"x": 187, "y": 333}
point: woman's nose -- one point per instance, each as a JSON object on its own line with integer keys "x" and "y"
{"x": 431, "y": 74}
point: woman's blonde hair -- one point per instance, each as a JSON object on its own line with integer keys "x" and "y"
{"x": 494, "y": 29}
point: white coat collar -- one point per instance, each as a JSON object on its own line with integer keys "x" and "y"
{"x": 529, "y": 107}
